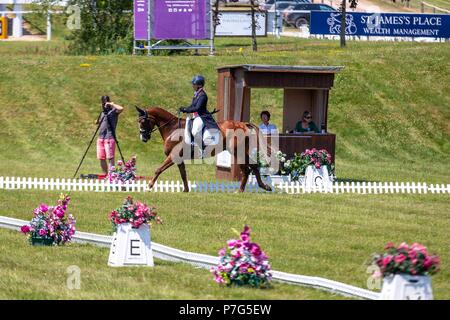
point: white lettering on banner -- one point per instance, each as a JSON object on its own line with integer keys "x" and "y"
{"x": 377, "y": 31}
{"x": 140, "y": 4}
{"x": 379, "y": 19}
{"x": 425, "y": 21}
{"x": 402, "y": 20}
{"x": 416, "y": 32}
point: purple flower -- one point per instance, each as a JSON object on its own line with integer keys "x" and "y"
{"x": 25, "y": 229}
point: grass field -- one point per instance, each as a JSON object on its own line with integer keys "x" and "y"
{"x": 331, "y": 236}
{"x": 25, "y": 274}
{"x": 389, "y": 109}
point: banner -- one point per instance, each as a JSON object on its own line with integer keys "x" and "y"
{"x": 382, "y": 24}
{"x": 141, "y": 19}
{"x": 180, "y": 19}
{"x": 239, "y": 24}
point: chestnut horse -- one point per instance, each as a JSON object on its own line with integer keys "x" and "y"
{"x": 156, "y": 118}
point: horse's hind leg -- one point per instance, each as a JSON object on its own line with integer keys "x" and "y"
{"x": 182, "y": 169}
{"x": 261, "y": 184}
{"x": 165, "y": 165}
{"x": 245, "y": 172}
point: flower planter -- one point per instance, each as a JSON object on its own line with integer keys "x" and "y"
{"x": 41, "y": 242}
{"x": 406, "y": 287}
{"x": 317, "y": 177}
{"x": 131, "y": 247}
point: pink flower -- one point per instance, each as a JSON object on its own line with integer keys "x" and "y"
{"x": 427, "y": 262}
{"x": 419, "y": 247}
{"x": 389, "y": 245}
{"x": 25, "y": 229}
{"x": 119, "y": 162}
{"x": 232, "y": 243}
{"x": 42, "y": 232}
{"x": 219, "y": 279}
{"x": 43, "y": 207}
{"x": 403, "y": 246}
{"x": 377, "y": 274}
{"x": 386, "y": 260}
{"x": 255, "y": 250}
{"x": 222, "y": 252}
{"x": 400, "y": 258}
{"x": 59, "y": 213}
{"x": 412, "y": 254}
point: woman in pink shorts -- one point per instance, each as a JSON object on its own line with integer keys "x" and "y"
{"x": 106, "y": 144}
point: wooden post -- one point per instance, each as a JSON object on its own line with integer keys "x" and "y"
{"x": 422, "y": 7}
{"x": 254, "y": 44}
{"x": 343, "y": 22}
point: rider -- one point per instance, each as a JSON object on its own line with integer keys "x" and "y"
{"x": 201, "y": 116}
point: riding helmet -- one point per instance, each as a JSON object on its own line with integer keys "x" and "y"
{"x": 198, "y": 80}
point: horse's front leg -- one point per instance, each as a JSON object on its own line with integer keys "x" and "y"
{"x": 165, "y": 165}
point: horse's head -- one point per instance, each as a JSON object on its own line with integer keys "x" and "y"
{"x": 145, "y": 125}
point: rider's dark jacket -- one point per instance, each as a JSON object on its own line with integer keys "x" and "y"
{"x": 198, "y": 107}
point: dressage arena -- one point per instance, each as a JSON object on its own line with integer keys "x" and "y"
{"x": 386, "y": 117}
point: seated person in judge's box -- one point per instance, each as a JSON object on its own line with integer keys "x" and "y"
{"x": 265, "y": 127}
{"x": 306, "y": 124}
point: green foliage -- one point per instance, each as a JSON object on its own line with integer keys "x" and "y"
{"x": 106, "y": 27}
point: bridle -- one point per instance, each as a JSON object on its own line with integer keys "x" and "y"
{"x": 146, "y": 117}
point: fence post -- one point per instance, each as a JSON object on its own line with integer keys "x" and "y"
{"x": 422, "y": 7}
{"x": 297, "y": 186}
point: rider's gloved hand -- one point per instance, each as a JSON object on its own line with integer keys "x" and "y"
{"x": 182, "y": 109}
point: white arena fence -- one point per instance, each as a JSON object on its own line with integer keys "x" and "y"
{"x": 205, "y": 261}
{"x": 90, "y": 185}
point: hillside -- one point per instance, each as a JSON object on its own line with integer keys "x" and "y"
{"x": 389, "y": 107}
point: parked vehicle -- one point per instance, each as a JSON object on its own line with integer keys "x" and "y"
{"x": 293, "y": 17}
{"x": 280, "y": 4}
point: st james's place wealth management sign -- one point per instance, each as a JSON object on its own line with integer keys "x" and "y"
{"x": 382, "y": 24}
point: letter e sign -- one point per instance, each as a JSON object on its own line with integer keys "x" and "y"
{"x": 135, "y": 247}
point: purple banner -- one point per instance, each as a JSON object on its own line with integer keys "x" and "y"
{"x": 141, "y": 19}
{"x": 179, "y": 19}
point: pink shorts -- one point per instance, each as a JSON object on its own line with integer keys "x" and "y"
{"x": 106, "y": 149}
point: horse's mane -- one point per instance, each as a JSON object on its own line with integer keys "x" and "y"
{"x": 159, "y": 112}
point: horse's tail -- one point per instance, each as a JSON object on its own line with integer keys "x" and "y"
{"x": 265, "y": 143}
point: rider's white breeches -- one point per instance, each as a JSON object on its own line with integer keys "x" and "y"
{"x": 197, "y": 127}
